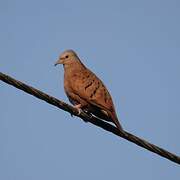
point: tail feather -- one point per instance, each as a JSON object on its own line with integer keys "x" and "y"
{"x": 107, "y": 116}
{"x": 115, "y": 120}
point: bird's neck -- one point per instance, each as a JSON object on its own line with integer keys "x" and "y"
{"x": 73, "y": 68}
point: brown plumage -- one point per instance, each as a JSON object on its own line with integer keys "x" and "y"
{"x": 85, "y": 90}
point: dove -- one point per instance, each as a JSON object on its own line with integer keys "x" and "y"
{"x": 85, "y": 90}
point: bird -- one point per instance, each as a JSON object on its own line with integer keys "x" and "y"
{"x": 85, "y": 90}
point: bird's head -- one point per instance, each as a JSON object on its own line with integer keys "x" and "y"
{"x": 67, "y": 57}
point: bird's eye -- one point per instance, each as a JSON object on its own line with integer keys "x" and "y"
{"x": 66, "y": 56}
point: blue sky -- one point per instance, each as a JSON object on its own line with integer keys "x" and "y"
{"x": 133, "y": 46}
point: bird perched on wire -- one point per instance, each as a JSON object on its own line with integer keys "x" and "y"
{"x": 85, "y": 90}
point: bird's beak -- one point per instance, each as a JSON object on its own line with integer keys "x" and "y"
{"x": 60, "y": 61}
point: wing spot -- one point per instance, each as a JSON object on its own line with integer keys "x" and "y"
{"x": 90, "y": 84}
{"x": 94, "y": 92}
{"x": 105, "y": 95}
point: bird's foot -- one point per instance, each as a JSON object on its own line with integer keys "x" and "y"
{"x": 78, "y": 107}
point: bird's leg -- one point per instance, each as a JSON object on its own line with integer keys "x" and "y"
{"x": 79, "y": 108}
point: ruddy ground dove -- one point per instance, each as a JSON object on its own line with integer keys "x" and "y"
{"x": 85, "y": 90}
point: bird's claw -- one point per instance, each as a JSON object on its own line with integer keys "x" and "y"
{"x": 78, "y": 107}
{"x": 79, "y": 111}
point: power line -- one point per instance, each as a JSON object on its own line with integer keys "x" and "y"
{"x": 106, "y": 126}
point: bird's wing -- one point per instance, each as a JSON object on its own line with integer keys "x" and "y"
{"x": 90, "y": 88}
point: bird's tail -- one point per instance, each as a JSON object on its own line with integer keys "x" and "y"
{"x": 116, "y": 121}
